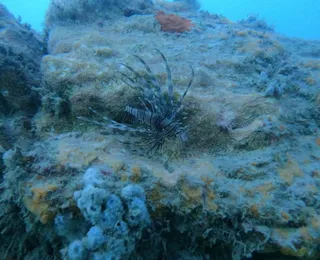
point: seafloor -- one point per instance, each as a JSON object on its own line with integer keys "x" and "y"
{"x": 244, "y": 185}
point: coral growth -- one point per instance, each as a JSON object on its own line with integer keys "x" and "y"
{"x": 39, "y": 205}
{"x": 108, "y": 216}
{"x": 173, "y": 23}
{"x": 246, "y": 183}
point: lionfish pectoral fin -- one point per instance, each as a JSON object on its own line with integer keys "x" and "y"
{"x": 179, "y": 103}
{"x": 153, "y": 78}
{"x": 132, "y": 83}
{"x": 142, "y": 84}
{"x": 156, "y": 96}
{"x": 169, "y": 78}
{"x": 190, "y": 83}
{"x": 148, "y": 106}
{"x": 141, "y": 80}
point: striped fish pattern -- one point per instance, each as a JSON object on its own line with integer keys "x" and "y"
{"x": 157, "y": 118}
{"x": 163, "y": 126}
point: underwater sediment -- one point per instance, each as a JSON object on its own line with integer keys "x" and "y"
{"x": 243, "y": 183}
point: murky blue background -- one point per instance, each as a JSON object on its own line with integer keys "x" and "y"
{"x": 298, "y": 18}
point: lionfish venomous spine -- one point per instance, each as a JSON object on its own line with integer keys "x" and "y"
{"x": 157, "y": 119}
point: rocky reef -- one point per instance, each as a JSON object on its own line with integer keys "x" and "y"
{"x": 21, "y": 51}
{"x": 246, "y": 183}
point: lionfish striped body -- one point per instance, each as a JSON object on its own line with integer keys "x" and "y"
{"x": 157, "y": 118}
{"x": 161, "y": 125}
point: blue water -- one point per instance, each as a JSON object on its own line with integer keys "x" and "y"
{"x": 293, "y": 18}
{"x": 31, "y": 11}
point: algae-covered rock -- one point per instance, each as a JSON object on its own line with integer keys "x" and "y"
{"x": 82, "y": 11}
{"x": 243, "y": 180}
{"x": 21, "y": 49}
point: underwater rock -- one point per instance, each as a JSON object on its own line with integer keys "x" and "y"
{"x": 39, "y": 205}
{"x": 178, "y": 5}
{"x": 253, "y": 21}
{"x": 82, "y": 11}
{"x": 21, "y": 49}
{"x": 77, "y": 251}
{"x": 246, "y": 181}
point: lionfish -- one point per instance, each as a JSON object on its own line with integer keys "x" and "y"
{"x": 157, "y": 119}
